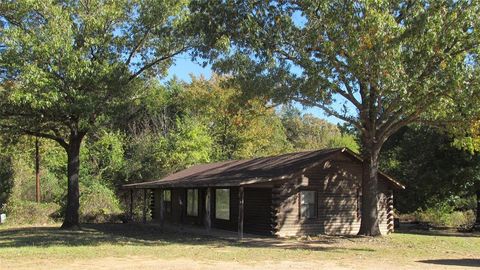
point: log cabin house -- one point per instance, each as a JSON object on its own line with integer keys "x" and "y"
{"x": 305, "y": 193}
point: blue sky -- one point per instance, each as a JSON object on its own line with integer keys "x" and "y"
{"x": 184, "y": 67}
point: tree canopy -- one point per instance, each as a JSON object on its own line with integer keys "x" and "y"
{"x": 66, "y": 65}
{"x": 377, "y": 65}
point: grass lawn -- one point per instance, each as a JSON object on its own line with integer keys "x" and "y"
{"x": 127, "y": 246}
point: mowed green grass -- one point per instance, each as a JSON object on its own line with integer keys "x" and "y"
{"x": 120, "y": 240}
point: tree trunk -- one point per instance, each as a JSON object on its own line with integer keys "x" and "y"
{"x": 477, "y": 220}
{"x": 37, "y": 170}
{"x": 369, "y": 212}
{"x": 71, "y": 220}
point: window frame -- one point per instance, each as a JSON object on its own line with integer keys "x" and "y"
{"x": 315, "y": 204}
{"x": 196, "y": 210}
{"x": 229, "y": 192}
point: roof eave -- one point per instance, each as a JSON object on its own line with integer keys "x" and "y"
{"x": 227, "y": 183}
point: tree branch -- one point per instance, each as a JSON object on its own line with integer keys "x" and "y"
{"x": 329, "y": 111}
{"x": 134, "y": 50}
{"x": 402, "y": 14}
{"x": 395, "y": 126}
{"x": 60, "y": 140}
{"x": 348, "y": 95}
{"x": 155, "y": 62}
{"x": 56, "y": 138}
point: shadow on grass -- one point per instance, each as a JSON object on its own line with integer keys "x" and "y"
{"x": 454, "y": 262}
{"x": 94, "y": 234}
{"x": 433, "y": 232}
{"x": 145, "y": 235}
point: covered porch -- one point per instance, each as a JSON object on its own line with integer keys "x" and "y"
{"x": 238, "y": 207}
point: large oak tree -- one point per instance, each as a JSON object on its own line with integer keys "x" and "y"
{"x": 65, "y": 65}
{"x": 378, "y": 65}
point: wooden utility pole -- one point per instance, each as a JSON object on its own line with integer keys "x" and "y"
{"x": 37, "y": 170}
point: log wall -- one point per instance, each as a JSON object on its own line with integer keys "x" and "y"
{"x": 274, "y": 208}
{"x": 338, "y": 197}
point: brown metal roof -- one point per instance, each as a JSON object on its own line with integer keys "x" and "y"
{"x": 241, "y": 172}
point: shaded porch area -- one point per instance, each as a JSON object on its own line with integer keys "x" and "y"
{"x": 240, "y": 209}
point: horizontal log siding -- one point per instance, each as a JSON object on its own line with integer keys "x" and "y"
{"x": 337, "y": 183}
{"x": 286, "y": 210}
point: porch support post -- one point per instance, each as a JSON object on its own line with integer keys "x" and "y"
{"x": 240, "y": 211}
{"x": 145, "y": 206}
{"x": 131, "y": 204}
{"x": 208, "y": 210}
{"x": 162, "y": 209}
{"x": 182, "y": 200}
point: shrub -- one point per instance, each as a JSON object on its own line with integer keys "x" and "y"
{"x": 444, "y": 215}
{"x": 27, "y": 212}
{"x": 99, "y": 204}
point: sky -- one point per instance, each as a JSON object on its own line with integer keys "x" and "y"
{"x": 184, "y": 67}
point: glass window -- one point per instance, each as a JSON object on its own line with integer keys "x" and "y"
{"x": 307, "y": 204}
{"x": 167, "y": 201}
{"x": 167, "y": 195}
{"x": 222, "y": 204}
{"x": 192, "y": 202}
